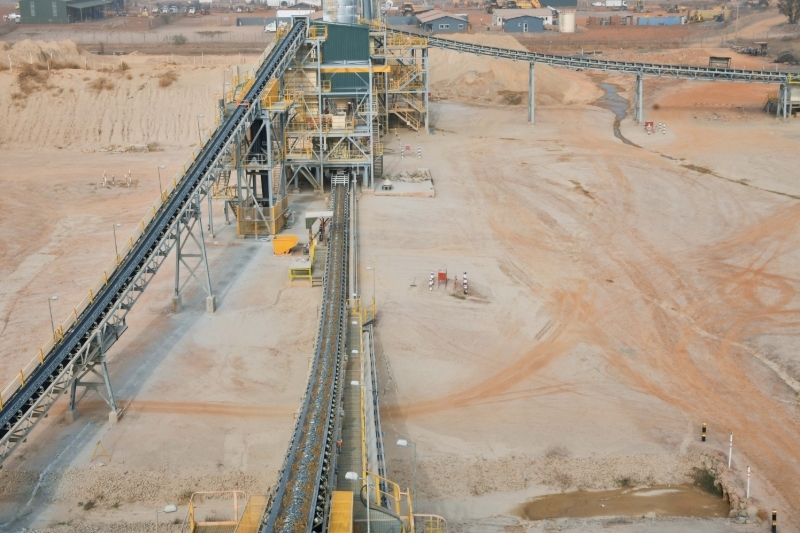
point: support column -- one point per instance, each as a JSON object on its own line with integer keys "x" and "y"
{"x": 210, "y": 215}
{"x": 786, "y": 102}
{"x": 191, "y": 223}
{"x": 176, "y": 296}
{"x": 426, "y": 73}
{"x": 113, "y": 415}
{"x": 531, "y": 93}
{"x": 638, "y": 109}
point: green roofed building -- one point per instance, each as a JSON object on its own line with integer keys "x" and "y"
{"x": 63, "y": 11}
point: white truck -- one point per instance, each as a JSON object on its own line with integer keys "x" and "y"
{"x": 13, "y": 17}
{"x": 619, "y": 4}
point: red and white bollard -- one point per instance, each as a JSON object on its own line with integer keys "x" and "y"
{"x": 465, "y": 283}
{"x": 105, "y": 182}
{"x": 430, "y": 283}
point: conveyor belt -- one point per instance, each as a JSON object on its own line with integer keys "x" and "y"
{"x": 298, "y": 505}
{"x": 590, "y": 63}
{"x": 25, "y": 399}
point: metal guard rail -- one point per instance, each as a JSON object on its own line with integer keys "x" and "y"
{"x": 578, "y": 62}
{"x": 70, "y": 335}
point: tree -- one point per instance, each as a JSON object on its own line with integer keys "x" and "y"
{"x": 790, "y": 8}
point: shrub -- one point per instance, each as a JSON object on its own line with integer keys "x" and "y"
{"x": 179, "y": 39}
{"x": 167, "y": 78}
{"x": 101, "y": 84}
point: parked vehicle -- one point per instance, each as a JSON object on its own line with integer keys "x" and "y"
{"x": 165, "y": 9}
{"x": 13, "y": 17}
{"x": 191, "y": 10}
{"x": 173, "y": 9}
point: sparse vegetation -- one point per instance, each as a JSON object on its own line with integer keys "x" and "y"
{"x": 88, "y": 505}
{"x": 101, "y": 84}
{"x": 30, "y": 79}
{"x": 624, "y": 482}
{"x": 168, "y": 78}
{"x": 790, "y": 8}
{"x": 179, "y": 39}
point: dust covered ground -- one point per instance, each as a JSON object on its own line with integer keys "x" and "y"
{"x": 619, "y": 297}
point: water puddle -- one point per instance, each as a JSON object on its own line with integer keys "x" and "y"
{"x": 675, "y": 500}
{"x": 612, "y": 101}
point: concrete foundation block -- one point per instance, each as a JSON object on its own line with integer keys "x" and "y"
{"x": 176, "y": 303}
{"x": 71, "y": 415}
{"x": 211, "y": 304}
{"x": 113, "y": 417}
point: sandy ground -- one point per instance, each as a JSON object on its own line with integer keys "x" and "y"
{"x": 618, "y": 299}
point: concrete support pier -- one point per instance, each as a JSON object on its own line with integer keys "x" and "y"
{"x": 531, "y": 93}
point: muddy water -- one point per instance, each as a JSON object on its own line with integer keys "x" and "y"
{"x": 612, "y": 101}
{"x": 675, "y": 500}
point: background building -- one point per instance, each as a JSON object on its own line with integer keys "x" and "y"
{"x": 500, "y": 15}
{"x": 436, "y": 21}
{"x": 62, "y": 11}
{"x": 523, "y": 24}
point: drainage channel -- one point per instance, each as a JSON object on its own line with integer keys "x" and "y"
{"x": 612, "y": 101}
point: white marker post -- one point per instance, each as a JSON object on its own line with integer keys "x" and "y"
{"x": 748, "y": 482}
{"x": 730, "y": 451}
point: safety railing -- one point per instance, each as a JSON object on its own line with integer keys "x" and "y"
{"x": 62, "y": 328}
{"x": 318, "y": 31}
{"x": 429, "y": 523}
{"x": 251, "y": 517}
{"x": 404, "y": 40}
{"x": 388, "y": 494}
{"x": 217, "y": 508}
{"x": 378, "y": 150}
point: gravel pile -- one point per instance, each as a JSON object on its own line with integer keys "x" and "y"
{"x": 115, "y": 483}
{"x": 453, "y": 477}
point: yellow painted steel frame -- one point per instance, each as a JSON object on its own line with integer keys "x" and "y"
{"x": 251, "y": 518}
{"x": 305, "y": 272}
{"x": 341, "y": 512}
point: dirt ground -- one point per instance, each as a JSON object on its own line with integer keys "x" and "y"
{"x": 619, "y": 297}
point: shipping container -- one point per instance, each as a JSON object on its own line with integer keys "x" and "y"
{"x": 660, "y": 21}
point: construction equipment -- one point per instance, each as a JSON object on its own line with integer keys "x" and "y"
{"x": 408, "y": 9}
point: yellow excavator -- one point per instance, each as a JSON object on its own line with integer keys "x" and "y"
{"x": 491, "y": 5}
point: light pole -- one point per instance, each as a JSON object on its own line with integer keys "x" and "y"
{"x": 50, "y": 307}
{"x": 160, "y": 188}
{"x": 404, "y": 442}
{"x": 114, "y": 227}
{"x": 171, "y": 508}
{"x": 223, "y": 82}
{"x": 373, "y": 283}
{"x": 199, "y": 136}
{"x": 352, "y": 476}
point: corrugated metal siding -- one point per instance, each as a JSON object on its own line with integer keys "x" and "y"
{"x": 348, "y": 82}
{"x": 659, "y": 21}
{"x": 535, "y": 24}
{"x": 453, "y": 22}
{"x": 43, "y": 12}
{"x": 346, "y": 42}
{"x": 562, "y": 3}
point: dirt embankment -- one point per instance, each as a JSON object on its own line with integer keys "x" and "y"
{"x": 59, "y": 96}
{"x": 485, "y": 79}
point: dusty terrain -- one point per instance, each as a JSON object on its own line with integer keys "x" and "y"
{"x": 619, "y": 297}
{"x": 618, "y": 300}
